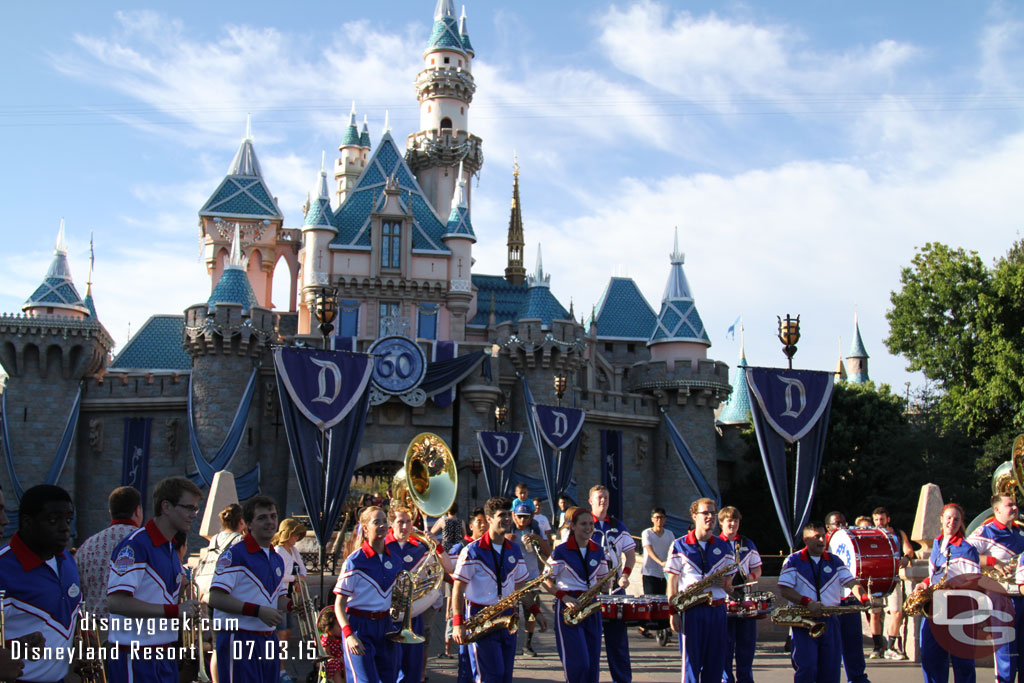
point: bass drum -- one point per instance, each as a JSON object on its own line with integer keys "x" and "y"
{"x": 869, "y": 553}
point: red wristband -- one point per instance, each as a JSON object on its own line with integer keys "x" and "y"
{"x": 250, "y": 609}
{"x": 458, "y": 620}
{"x": 290, "y": 606}
{"x": 560, "y": 595}
{"x": 990, "y": 561}
{"x": 534, "y": 609}
{"x": 626, "y": 571}
{"x": 865, "y": 599}
{"x": 346, "y": 631}
{"x": 439, "y": 549}
{"x": 805, "y": 601}
{"x": 172, "y": 611}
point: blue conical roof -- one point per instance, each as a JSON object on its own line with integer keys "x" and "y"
{"x": 623, "y": 312}
{"x": 320, "y": 215}
{"x": 57, "y": 289}
{"x": 90, "y": 304}
{"x": 737, "y": 409}
{"x": 243, "y": 193}
{"x": 233, "y": 288}
{"x": 464, "y": 34}
{"x": 445, "y": 35}
{"x": 364, "y": 137}
{"x": 678, "y": 320}
{"x": 459, "y": 224}
{"x": 857, "y": 346}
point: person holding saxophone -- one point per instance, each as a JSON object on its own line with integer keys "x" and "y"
{"x": 578, "y": 567}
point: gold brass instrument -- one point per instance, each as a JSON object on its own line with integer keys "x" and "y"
{"x": 490, "y": 618}
{"x": 586, "y": 603}
{"x": 192, "y": 636}
{"x": 427, "y": 482}
{"x": 93, "y": 668}
{"x": 798, "y": 616}
{"x": 695, "y": 595}
{"x": 307, "y": 613}
{"x": 918, "y": 601}
{"x": 1007, "y": 480}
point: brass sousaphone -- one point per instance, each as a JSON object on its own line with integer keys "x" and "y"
{"x": 1008, "y": 479}
{"x": 428, "y": 481}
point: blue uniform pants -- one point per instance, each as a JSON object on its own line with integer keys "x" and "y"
{"x": 410, "y": 669}
{"x": 379, "y": 661}
{"x": 492, "y": 658}
{"x": 1008, "y": 655}
{"x": 740, "y": 642}
{"x": 816, "y": 660}
{"x": 579, "y": 647}
{"x": 702, "y": 644}
{"x": 851, "y": 637}
{"x": 146, "y": 666}
{"x": 247, "y": 657}
{"x": 616, "y": 645}
{"x": 935, "y": 660}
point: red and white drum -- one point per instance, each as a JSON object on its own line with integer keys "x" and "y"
{"x": 634, "y": 610}
{"x": 869, "y": 553}
{"x": 753, "y": 606}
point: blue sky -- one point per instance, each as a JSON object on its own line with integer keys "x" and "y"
{"x": 803, "y": 149}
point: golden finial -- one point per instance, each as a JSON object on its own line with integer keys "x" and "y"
{"x": 515, "y": 164}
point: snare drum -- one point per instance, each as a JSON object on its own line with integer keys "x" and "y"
{"x": 765, "y": 602}
{"x": 869, "y": 553}
{"x": 634, "y": 610}
{"x": 752, "y": 606}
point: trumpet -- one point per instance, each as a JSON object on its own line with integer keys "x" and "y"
{"x": 192, "y": 637}
{"x": 307, "y": 613}
{"x": 93, "y": 669}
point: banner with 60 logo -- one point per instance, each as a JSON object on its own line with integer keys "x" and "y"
{"x": 399, "y": 364}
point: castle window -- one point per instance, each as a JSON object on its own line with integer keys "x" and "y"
{"x": 431, "y": 61}
{"x": 462, "y": 110}
{"x": 387, "y": 309}
{"x": 426, "y": 323}
{"x": 609, "y": 347}
{"x": 460, "y": 62}
{"x": 446, "y": 123}
{"x": 349, "y": 325}
{"x": 391, "y": 245}
{"x": 447, "y": 60}
{"x": 630, "y": 348}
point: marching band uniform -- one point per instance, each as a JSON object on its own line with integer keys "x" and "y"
{"x": 820, "y": 579}
{"x": 146, "y": 566}
{"x": 366, "y": 580}
{"x": 1003, "y": 544}
{"x": 489, "y": 574}
{"x": 254, "y": 575}
{"x": 413, "y": 554}
{"x": 961, "y": 558}
{"x": 574, "y": 570}
{"x": 702, "y": 641}
{"x": 851, "y": 636}
{"x": 42, "y": 595}
{"x": 741, "y": 633}
{"x": 613, "y": 537}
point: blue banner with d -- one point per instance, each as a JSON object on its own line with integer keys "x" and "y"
{"x": 498, "y": 452}
{"x": 791, "y": 406}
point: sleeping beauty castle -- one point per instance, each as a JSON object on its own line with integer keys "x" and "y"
{"x": 388, "y": 233}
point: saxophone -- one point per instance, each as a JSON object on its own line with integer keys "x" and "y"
{"x": 586, "y": 603}
{"x": 798, "y": 616}
{"x": 490, "y": 618}
{"x": 694, "y": 594}
{"x": 918, "y": 601}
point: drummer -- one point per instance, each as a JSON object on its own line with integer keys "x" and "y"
{"x": 741, "y": 632}
{"x": 851, "y": 634}
{"x": 998, "y": 544}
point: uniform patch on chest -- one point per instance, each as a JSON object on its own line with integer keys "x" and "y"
{"x": 73, "y": 590}
{"x": 593, "y": 563}
{"x": 224, "y": 561}
{"x": 124, "y": 560}
{"x": 717, "y": 551}
{"x": 511, "y": 560}
{"x": 407, "y": 558}
{"x": 278, "y": 571}
{"x": 827, "y": 570}
{"x": 387, "y": 564}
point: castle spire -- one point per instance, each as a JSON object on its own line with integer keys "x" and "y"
{"x": 679, "y": 324}
{"x": 515, "y": 272}
{"x": 459, "y": 224}
{"x": 539, "y": 277}
{"x": 88, "y": 283}
{"x": 857, "y": 356}
{"x": 351, "y": 138}
{"x": 840, "y": 373}
{"x": 464, "y": 34}
{"x": 57, "y": 294}
{"x": 738, "y": 406}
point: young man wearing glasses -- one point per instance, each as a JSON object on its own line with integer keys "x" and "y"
{"x": 144, "y": 582}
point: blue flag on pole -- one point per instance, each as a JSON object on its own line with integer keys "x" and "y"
{"x": 498, "y": 452}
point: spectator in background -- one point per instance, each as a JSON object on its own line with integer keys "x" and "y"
{"x": 657, "y": 542}
{"x": 93, "y": 556}
{"x": 450, "y": 528}
{"x": 542, "y": 521}
{"x": 863, "y": 521}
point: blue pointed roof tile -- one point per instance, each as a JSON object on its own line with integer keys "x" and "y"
{"x": 57, "y": 289}
{"x": 445, "y": 35}
{"x": 541, "y": 303}
{"x": 737, "y": 409}
{"x": 233, "y": 287}
{"x": 857, "y": 349}
{"x": 508, "y": 299}
{"x": 243, "y": 193}
{"x": 678, "y": 320}
{"x": 622, "y": 312}
{"x": 156, "y": 346}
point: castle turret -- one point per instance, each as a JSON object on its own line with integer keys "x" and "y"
{"x": 445, "y": 89}
{"x": 354, "y": 154}
{"x": 737, "y": 408}
{"x": 840, "y": 373}
{"x": 857, "y": 357}
{"x": 459, "y": 238}
{"x": 243, "y": 201}
{"x": 515, "y": 272}
{"x": 317, "y": 233}
{"x": 57, "y": 294}
{"x": 679, "y": 333}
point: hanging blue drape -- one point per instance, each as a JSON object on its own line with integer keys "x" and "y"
{"x": 689, "y": 463}
{"x": 556, "y": 464}
{"x": 611, "y": 469}
{"x": 248, "y": 484}
{"x": 444, "y": 351}
{"x": 446, "y": 374}
{"x": 135, "y": 455}
{"x": 498, "y": 454}
{"x": 60, "y": 458}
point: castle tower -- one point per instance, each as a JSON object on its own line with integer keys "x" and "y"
{"x": 459, "y": 238}
{"x": 515, "y": 272}
{"x": 679, "y": 333}
{"x": 46, "y": 352}
{"x": 737, "y": 408}
{"x": 317, "y": 233}
{"x": 840, "y": 373}
{"x": 445, "y": 89}
{"x": 243, "y": 201}
{"x": 354, "y": 155}
{"x": 857, "y": 357}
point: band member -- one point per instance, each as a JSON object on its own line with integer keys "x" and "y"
{"x": 620, "y": 554}
{"x": 93, "y": 556}
{"x": 893, "y": 648}
{"x": 702, "y": 631}
{"x": 999, "y": 543}
{"x": 741, "y": 634}
{"x": 528, "y": 536}
{"x": 851, "y": 633}
{"x": 364, "y": 598}
{"x": 144, "y": 582}
{"x": 248, "y": 586}
{"x": 576, "y": 566}
{"x": 413, "y": 555}
{"x": 489, "y": 569}
{"x": 42, "y": 590}
{"x": 815, "y": 579}
{"x": 951, "y": 556}
{"x": 477, "y": 528}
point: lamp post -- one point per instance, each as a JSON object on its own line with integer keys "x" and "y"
{"x": 789, "y": 335}
{"x": 325, "y": 308}
{"x": 500, "y": 416}
{"x": 559, "y": 387}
